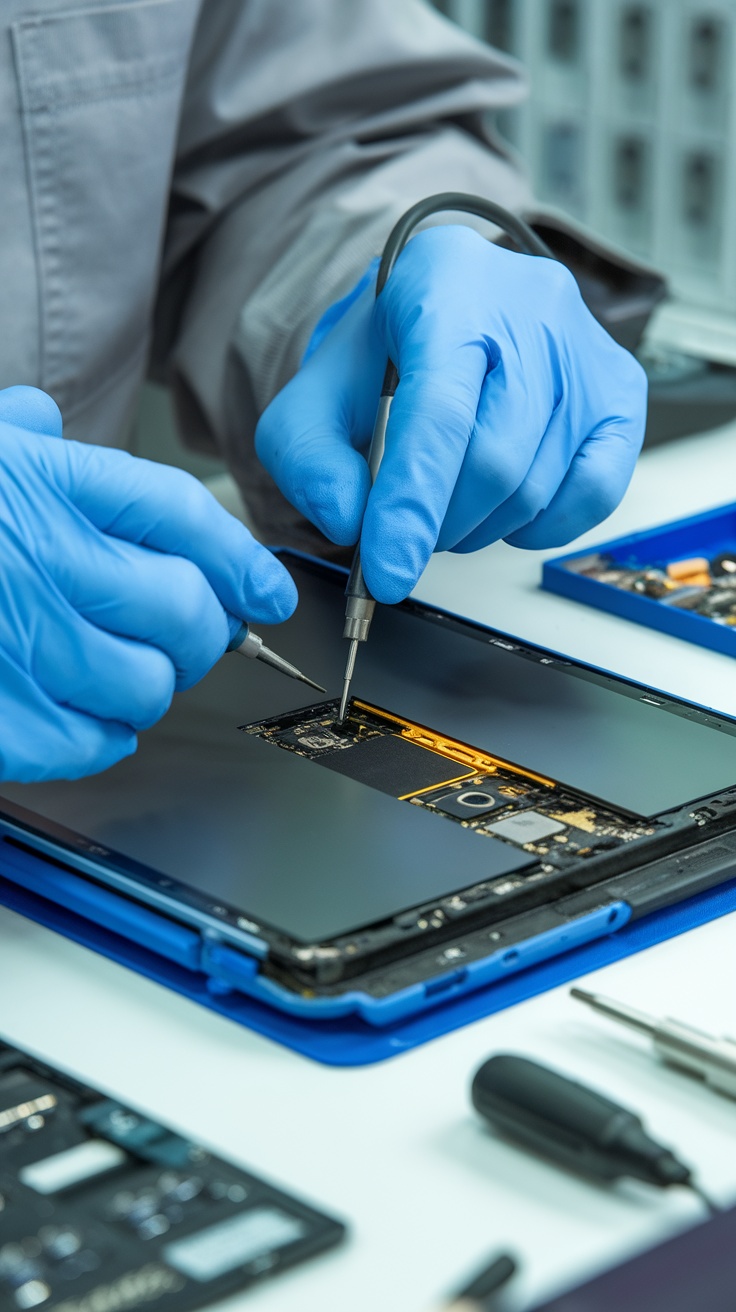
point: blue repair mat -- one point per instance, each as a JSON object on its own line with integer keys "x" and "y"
{"x": 352, "y": 1042}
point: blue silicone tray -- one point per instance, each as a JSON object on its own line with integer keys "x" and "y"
{"x": 700, "y": 535}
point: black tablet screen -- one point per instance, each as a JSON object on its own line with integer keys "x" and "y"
{"x": 316, "y": 854}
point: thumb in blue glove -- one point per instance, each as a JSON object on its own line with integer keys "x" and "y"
{"x": 120, "y": 581}
{"x": 516, "y": 417}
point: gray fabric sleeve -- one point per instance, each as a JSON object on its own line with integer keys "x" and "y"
{"x": 307, "y": 130}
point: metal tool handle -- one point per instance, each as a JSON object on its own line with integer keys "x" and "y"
{"x": 689, "y": 1049}
{"x": 247, "y": 643}
{"x": 360, "y": 604}
{"x": 682, "y": 1046}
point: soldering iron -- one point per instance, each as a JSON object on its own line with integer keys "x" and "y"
{"x": 361, "y": 604}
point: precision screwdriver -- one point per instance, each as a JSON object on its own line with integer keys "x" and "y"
{"x": 679, "y": 1045}
{"x": 361, "y": 605}
{"x": 575, "y": 1126}
{"x": 572, "y": 1125}
{"x": 249, "y": 644}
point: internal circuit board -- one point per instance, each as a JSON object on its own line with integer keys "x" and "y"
{"x": 463, "y": 784}
{"x": 103, "y": 1209}
{"x": 576, "y": 844}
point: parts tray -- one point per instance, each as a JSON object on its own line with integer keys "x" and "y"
{"x": 707, "y": 534}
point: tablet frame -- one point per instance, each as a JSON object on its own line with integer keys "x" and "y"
{"x": 129, "y": 899}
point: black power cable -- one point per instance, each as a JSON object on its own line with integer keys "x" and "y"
{"x": 463, "y": 203}
{"x": 445, "y": 202}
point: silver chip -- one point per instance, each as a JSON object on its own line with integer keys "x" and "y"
{"x": 526, "y": 827}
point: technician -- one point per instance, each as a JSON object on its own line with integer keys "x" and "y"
{"x": 199, "y": 188}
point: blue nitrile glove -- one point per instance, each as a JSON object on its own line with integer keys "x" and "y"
{"x": 516, "y": 415}
{"x": 120, "y": 580}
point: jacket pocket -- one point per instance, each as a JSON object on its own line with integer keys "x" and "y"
{"x": 100, "y": 94}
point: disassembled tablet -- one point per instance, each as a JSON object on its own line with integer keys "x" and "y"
{"x": 486, "y": 805}
{"x": 103, "y": 1209}
{"x": 574, "y": 840}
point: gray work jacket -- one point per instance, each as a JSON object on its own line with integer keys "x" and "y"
{"x": 187, "y": 184}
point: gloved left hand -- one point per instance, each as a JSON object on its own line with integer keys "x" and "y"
{"x": 516, "y": 415}
{"x": 120, "y": 580}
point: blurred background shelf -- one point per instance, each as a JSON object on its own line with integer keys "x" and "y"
{"x": 630, "y": 124}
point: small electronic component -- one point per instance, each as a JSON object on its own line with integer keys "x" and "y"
{"x": 705, "y": 587}
{"x": 723, "y": 565}
{"x": 526, "y": 827}
{"x": 102, "y": 1208}
{"x": 584, "y": 819}
{"x": 689, "y": 570}
{"x": 689, "y": 597}
{"x": 466, "y": 803}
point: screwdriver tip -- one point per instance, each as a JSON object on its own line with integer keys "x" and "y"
{"x": 582, "y": 995}
{"x": 312, "y": 684}
{"x": 277, "y": 662}
{"x": 349, "y": 667}
{"x": 343, "y": 703}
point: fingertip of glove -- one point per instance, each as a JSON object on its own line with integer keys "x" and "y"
{"x": 102, "y": 750}
{"x": 270, "y": 591}
{"x": 388, "y": 585}
{"x": 128, "y": 744}
{"x": 336, "y": 503}
{"x": 32, "y": 409}
{"x": 342, "y": 529}
{"x": 394, "y": 548}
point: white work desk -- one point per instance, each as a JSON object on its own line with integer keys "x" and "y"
{"x": 395, "y": 1148}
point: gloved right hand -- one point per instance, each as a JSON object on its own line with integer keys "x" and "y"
{"x": 516, "y": 416}
{"x": 120, "y": 580}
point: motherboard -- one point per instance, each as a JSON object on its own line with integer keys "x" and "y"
{"x": 468, "y": 786}
{"x": 103, "y": 1209}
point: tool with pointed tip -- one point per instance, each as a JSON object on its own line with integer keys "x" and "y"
{"x": 360, "y": 604}
{"x": 249, "y": 644}
{"x": 714, "y": 1060}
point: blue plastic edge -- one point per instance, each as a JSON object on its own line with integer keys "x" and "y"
{"x": 99, "y": 906}
{"x": 227, "y": 969}
{"x": 349, "y": 1041}
{"x": 677, "y": 538}
{"x": 234, "y": 970}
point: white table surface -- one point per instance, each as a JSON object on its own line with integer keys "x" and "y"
{"x": 395, "y": 1148}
